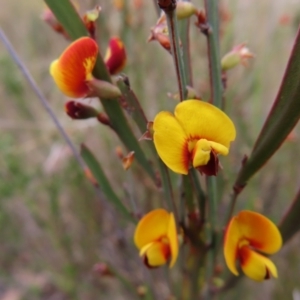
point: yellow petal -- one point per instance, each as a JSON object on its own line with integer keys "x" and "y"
{"x": 74, "y": 67}
{"x": 170, "y": 142}
{"x": 261, "y": 233}
{"x": 173, "y": 239}
{"x": 231, "y": 243}
{"x": 201, "y": 153}
{"x": 151, "y": 227}
{"x": 157, "y": 254}
{"x": 202, "y": 120}
{"x": 255, "y": 265}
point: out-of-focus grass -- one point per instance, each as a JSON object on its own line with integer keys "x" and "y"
{"x": 54, "y": 229}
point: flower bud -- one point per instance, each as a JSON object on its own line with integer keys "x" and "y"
{"x": 149, "y": 133}
{"x": 79, "y": 111}
{"x": 102, "y": 269}
{"x": 103, "y": 89}
{"x": 104, "y": 119}
{"x": 128, "y": 160}
{"x": 238, "y": 55}
{"x": 115, "y": 57}
{"x": 185, "y": 10}
{"x": 51, "y": 20}
{"x": 89, "y": 175}
{"x": 89, "y": 20}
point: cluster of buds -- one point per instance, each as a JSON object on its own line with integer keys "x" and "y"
{"x": 160, "y": 31}
{"x": 89, "y": 20}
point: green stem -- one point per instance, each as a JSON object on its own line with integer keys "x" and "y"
{"x": 165, "y": 176}
{"x": 210, "y": 232}
{"x": 211, "y": 7}
{"x": 176, "y": 53}
{"x": 201, "y": 198}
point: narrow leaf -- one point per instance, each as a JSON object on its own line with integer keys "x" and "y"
{"x": 103, "y": 182}
{"x": 290, "y": 223}
{"x": 282, "y": 119}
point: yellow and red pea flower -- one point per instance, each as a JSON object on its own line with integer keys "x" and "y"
{"x": 193, "y": 136}
{"x": 247, "y": 236}
{"x": 156, "y": 238}
{"x": 73, "y": 69}
{"x": 115, "y": 57}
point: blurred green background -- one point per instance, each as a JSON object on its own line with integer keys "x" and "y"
{"x": 55, "y": 232}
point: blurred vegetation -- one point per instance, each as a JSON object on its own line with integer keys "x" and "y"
{"x": 54, "y": 229}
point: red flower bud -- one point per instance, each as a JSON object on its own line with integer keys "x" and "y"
{"x": 115, "y": 57}
{"x": 80, "y": 111}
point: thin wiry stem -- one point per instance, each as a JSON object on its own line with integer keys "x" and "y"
{"x": 176, "y": 53}
{"x": 41, "y": 97}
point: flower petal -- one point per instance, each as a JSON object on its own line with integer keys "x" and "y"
{"x": 201, "y": 153}
{"x": 231, "y": 242}
{"x": 74, "y": 67}
{"x": 200, "y": 119}
{"x": 173, "y": 239}
{"x": 151, "y": 227}
{"x": 261, "y": 233}
{"x": 170, "y": 142}
{"x": 255, "y": 265}
{"x": 115, "y": 57}
{"x": 156, "y": 254}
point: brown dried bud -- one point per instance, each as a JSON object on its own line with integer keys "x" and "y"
{"x": 79, "y": 111}
{"x": 90, "y": 176}
{"x": 141, "y": 290}
{"x": 149, "y": 133}
{"x": 103, "y": 118}
{"x": 51, "y": 20}
{"x": 167, "y": 5}
{"x": 128, "y": 160}
{"x": 119, "y": 152}
{"x": 102, "y": 269}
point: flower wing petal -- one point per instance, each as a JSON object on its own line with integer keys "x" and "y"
{"x": 200, "y": 119}
{"x": 261, "y": 233}
{"x": 74, "y": 67}
{"x": 115, "y": 57}
{"x": 170, "y": 142}
{"x": 173, "y": 239}
{"x": 231, "y": 242}
{"x": 255, "y": 265}
{"x": 151, "y": 227}
{"x": 157, "y": 254}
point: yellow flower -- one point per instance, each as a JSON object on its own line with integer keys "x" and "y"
{"x": 194, "y": 135}
{"x": 247, "y": 233}
{"x": 73, "y": 70}
{"x": 156, "y": 238}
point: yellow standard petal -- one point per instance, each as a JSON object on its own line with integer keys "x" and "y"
{"x": 173, "y": 239}
{"x": 170, "y": 142}
{"x": 255, "y": 265}
{"x": 151, "y": 227}
{"x": 261, "y": 233}
{"x": 201, "y": 120}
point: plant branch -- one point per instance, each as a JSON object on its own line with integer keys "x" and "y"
{"x": 169, "y": 8}
{"x": 211, "y": 7}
